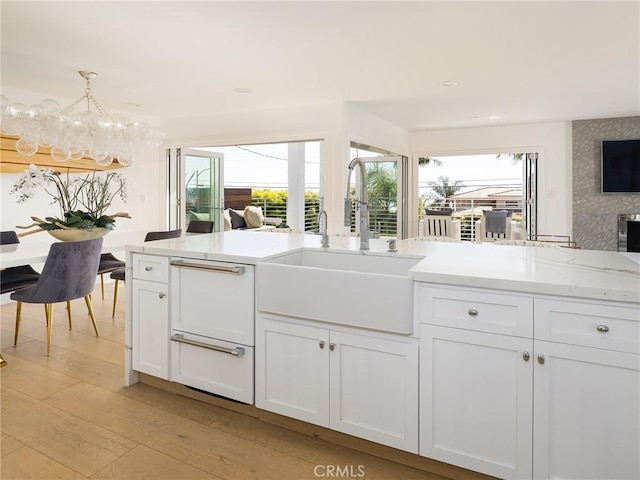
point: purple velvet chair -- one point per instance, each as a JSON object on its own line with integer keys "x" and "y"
{"x": 15, "y": 278}
{"x": 68, "y": 273}
{"x": 200, "y": 226}
{"x": 108, "y": 263}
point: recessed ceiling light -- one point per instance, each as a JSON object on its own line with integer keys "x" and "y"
{"x": 449, "y": 83}
{"x": 133, "y": 104}
{"x": 242, "y": 90}
{"x": 495, "y": 117}
{"x": 473, "y": 116}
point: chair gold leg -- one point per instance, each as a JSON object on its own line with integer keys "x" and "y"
{"x": 115, "y": 299}
{"x": 102, "y": 284}
{"x": 18, "y": 314}
{"x": 69, "y": 313}
{"x": 49, "y": 313}
{"x": 93, "y": 318}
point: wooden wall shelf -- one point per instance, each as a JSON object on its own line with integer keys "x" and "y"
{"x": 13, "y": 162}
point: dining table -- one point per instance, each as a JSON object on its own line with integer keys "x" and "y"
{"x": 33, "y": 249}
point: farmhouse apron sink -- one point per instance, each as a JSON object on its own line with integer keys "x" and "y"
{"x": 365, "y": 290}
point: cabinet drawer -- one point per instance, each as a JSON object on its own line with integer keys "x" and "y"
{"x": 218, "y": 367}
{"x": 476, "y": 310}
{"x": 151, "y": 268}
{"x": 213, "y": 299}
{"x": 593, "y": 325}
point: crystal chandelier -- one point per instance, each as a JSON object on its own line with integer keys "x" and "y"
{"x": 73, "y": 133}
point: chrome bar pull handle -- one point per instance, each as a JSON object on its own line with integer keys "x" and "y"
{"x": 526, "y": 356}
{"x": 473, "y": 312}
{"x": 236, "y": 352}
{"x": 541, "y": 359}
{"x": 602, "y": 328}
{"x": 213, "y": 268}
{"x": 321, "y": 344}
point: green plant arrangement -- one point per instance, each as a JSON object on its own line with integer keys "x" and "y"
{"x": 83, "y": 201}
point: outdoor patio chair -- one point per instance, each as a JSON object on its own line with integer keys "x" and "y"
{"x": 493, "y": 226}
{"x": 439, "y": 224}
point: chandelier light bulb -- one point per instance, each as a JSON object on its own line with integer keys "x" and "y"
{"x": 76, "y": 131}
{"x": 26, "y": 147}
{"x": 60, "y": 154}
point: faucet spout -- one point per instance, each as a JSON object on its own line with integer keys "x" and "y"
{"x": 362, "y": 202}
{"x": 322, "y": 221}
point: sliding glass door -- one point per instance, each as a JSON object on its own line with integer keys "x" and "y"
{"x": 195, "y": 187}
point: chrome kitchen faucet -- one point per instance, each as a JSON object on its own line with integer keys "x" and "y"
{"x": 362, "y": 203}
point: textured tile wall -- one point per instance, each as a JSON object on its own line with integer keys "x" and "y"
{"x": 594, "y": 213}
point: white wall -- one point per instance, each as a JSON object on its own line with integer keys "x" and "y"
{"x": 551, "y": 140}
{"x": 144, "y": 199}
{"x": 362, "y": 127}
{"x": 312, "y": 122}
{"x": 337, "y": 124}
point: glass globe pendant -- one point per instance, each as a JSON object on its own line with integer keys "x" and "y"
{"x": 72, "y": 133}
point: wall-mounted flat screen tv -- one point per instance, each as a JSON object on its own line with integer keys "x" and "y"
{"x": 620, "y": 166}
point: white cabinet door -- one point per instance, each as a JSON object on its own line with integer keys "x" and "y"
{"x": 374, "y": 389}
{"x": 150, "y": 332}
{"x": 587, "y": 413}
{"x": 476, "y": 400}
{"x": 292, "y": 370}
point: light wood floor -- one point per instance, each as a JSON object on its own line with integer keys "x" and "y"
{"x": 68, "y": 416}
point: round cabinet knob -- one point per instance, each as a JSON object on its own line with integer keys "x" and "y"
{"x": 162, "y": 295}
{"x": 332, "y": 346}
{"x": 526, "y": 356}
{"x": 321, "y": 344}
{"x": 602, "y": 328}
{"x": 148, "y": 269}
{"x": 541, "y": 359}
{"x": 473, "y": 312}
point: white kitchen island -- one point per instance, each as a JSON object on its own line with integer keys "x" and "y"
{"x": 522, "y": 362}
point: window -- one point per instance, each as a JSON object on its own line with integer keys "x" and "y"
{"x": 281, "y": 178}
{"x": 469, "y": 184}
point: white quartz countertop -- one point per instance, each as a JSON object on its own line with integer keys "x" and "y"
{"x": 592, "y": 274}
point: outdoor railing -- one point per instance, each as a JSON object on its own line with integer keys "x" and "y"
{"x": 279, "y": 210}
{"x": 382, "y": 220}
{"x": 471, "y": 212}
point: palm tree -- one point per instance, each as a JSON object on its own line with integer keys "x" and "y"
{"x": 382, "y": 186}
{"x": 444, "y": 188}
{"x": 424, "y": 161}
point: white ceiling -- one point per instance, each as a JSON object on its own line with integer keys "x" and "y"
{"x": 525, "y": 61}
